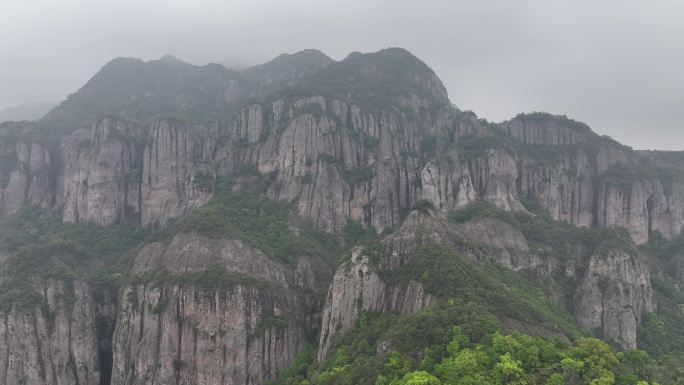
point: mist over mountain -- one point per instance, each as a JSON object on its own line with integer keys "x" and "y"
{"x": 31, "y": 111}
{"x": 320, "y": 221}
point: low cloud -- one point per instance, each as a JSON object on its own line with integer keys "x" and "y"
{"x": 614, "y": 64}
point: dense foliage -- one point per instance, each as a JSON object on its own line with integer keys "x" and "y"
{"x": 39, "y": 245}
{"x": 661, "y": 332}
{"x": 503, "y": 294}
{"x": 262, "y": 223}
{"x": 456, "y": 344}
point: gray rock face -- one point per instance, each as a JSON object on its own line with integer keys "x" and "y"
{"x": 548, "y": 130}
{"x": 447, "y": 183}
{"x": 357, "y": 287}
{"x": 25, "y": 172}
{"x": 97, "y": 170}
{"x": 333, "y": 161}
{"x": 613, "y": 285}
{"x": 613, "y": 295}
{"x": 244, "y": 331}
{"x": 177, "y": 173}
{"x": 59, "y": 348}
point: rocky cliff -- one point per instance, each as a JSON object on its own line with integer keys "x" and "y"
{"x": 57, "y": 343}
{"x": 213, "y": 311}
{"x": 96, "y": 177}
{"x": 613, "y": 285}
{"x": 339, "y": 151}
{"x": 368, "y": 144}
{"x": 26, "y": 169}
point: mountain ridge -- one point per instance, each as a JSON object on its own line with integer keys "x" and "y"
{"x": 216, "y": 232}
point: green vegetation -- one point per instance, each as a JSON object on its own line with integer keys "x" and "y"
{"x": 496, "y": 289}
{"x": 214, "y": 277}
{"x": 545, "y": 235}
{"x": 472, "y": 147}
{"x": 424, "y": 206}
{"x": 354, "y": 233}
{"x": 377, "y": 82}
{"x": 143, "y": 91}
{"x": 625, "y": 176}
{"x": 358, "y": 175}
{"x": 545, "y": 119}
{"x": 204, "y": 181}
{"x": 41, "y": 246}
{"x": 454, "y": 343}
{"x": 479, "y": 209}
{"x": 353, "y": 175}
{"x": 258, "y": 221}
{"x": 661, "y": 333}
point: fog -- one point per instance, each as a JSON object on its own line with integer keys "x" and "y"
{"x": 614, "y": 64}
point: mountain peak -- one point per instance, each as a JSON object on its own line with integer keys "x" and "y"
{"x": 307, "y": 58}
{"x": 391, "y": 73}
{"x": 170, "y": 59}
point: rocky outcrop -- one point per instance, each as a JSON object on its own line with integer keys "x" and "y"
{"x": 613, "y": 288}
{"x": 98, "y": 171}
{"x": 242, "y": 323}
{"x": 55, "y": 343}
{"x": 548, "y": 130}
{"x": 614, "y": 294}
{"x": 357, "y": 287}
{"x": 177, "y": 173}
{"x": 25, "y": 170}
{"x": 333, "y": 161}
{"x": 447, "y": 183}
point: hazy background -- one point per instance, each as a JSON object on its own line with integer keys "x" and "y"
{"x": 617, "y": 65}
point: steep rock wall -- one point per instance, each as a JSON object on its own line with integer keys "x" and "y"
{"x": 97, "y": 173}
{"x": 26, "y": 168}
{"x": 246, "y": 330}
{"x": 177, "y": 173}
{"x": 55, "y": 344}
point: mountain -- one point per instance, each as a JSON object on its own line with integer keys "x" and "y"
{"x": 313, "y": 221}
{"x": 29, "y": 111}
{"x": 139, "y": 91}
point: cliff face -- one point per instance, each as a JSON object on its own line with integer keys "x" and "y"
{"x": 614, "y": 294}
{"x": 334, "y": 164}
{"x": 176, "y": 173}
{"x": 25, "y": 170}
{"x": 613, "y": 287}
{"x": 54, "y": 344}
{"x": 243, "y": 328}
{"x": 346, "y": 154}
{"x": 202, "y": 310}
{"x": 96, "y": 173}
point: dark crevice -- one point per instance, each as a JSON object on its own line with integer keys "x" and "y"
{"x": 649, "y": 210}
{"x": 104, "y": 327}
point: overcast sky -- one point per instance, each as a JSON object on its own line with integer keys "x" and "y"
{"x": 617, "y": 65}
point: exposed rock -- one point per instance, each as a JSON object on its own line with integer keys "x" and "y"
{"x": 177, "y": 173}
{"x": 25, "y": 170}
{"x": 508, "y": 246}
{"x": 357, "y": 287}
{"x": 614, "y": 294}
{"x": 239, "y": 332}
{"x": 97, "y": 170}
{"x": 546, "y": 129}
{"x": 54, "y": 344}
{"x": 447, "y": 183}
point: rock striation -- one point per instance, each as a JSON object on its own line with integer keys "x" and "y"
{"x": 54, "y": 344}
{"x": 363, "y": 141}
{"x": 245, "y": 328}
{"x": 97, "y": 173}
